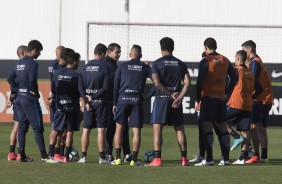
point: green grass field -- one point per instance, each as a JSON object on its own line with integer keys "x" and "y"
{"x": 171, "y": 172}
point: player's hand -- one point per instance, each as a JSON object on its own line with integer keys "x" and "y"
{"x": 13, "y": 96}
{"x": 88, "y": 107}
{"x": 114, "y": 109}
{"x": 198, "y": 106}
{"x": 89, "y": 98}
{"x": 174, "y": 95}
{"x": 176, "y": 103}
{"x": 9, "y": 104}
{"x": 49, "y": 101}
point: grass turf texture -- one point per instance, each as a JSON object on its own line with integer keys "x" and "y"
{"x": 171, "y": 172}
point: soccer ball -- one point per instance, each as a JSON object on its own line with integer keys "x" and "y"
{"x": 74, "y": 157}
{"x": 149, "y": 156}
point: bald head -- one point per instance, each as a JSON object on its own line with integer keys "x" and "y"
{"x": 58, "y": 52}
{"x": 136, "y": 52}
{"x": 21, "y": 51}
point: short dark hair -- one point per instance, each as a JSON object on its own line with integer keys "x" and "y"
{"x": 100, "y": 49}
{"x": 69, "y": 55}
{"x": 167, "y": 44}
{"x": 77, "y": 56}
{"x": 112, "y": 46}
{"x": 251, "y": 44}
{"x": 204, "y": 54}
{"x": 210, "y": 43}
{"x": 138, "y": 48}
{"x": 21, "y": 49}
{"x": 34, "y": 44}
{"x": 242, "y": 54}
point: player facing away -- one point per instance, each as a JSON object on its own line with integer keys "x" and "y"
{"x": 65, "y": 89}
{"x": 167, "y": 73}
{"x": 28, "y": 107}
{"x": 130, "y": 80}
{"x": 211, "y": 90}
{"x": 111, "y": 59}
{"x": 257, "y": 67}
{"x": 53, "y": 66}
{"x": 21, "y": 52}
{"x": 266, "y": 107}
{"x": 240, "y": 103}
{"x": 93, "y": 87}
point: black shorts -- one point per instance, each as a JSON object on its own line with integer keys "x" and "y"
{"x": 97, "y": 117}
{"x": 163, "y": 113}
{"x": 69, "y": 121}
{"x": 239, "y": 118}
{"x": 130, "y": 114}
{"x": 265, "y": 113}
{"x": 213, "y": 110}
{"x": 256, "y": 112}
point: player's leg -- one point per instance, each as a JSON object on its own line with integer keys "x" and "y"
{"x": 182, "y": 141}
{"x": 255, "y": 120}
{"x": 110, "y": 132}
{"x": 126, "y": 145}
{"x": 136, "y": 122}
{"x": 202, "y": 147}
{"x": 263, "y": 132}
{"x": 207, "y": 114}
{"x": 101, "y": 114}
{"x": 69, "y": 141}
{"x": 232, "y": 116}
{"x": 13, "y": 141}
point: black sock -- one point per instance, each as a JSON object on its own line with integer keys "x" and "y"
{"x": 62, "y": 150}
{"x": 118, "y": 150}
{"x": 134, "y": 156}
{"x": 234, "y": 134}
{"x": 184, "y": 153}
{"x": 57, "y": 150}
{"x": 22, "y": 153}
{"x": 67, "y": 153}
{"x": 12, "y": 148}
{"x": 157, "y": 153}
{"x": 264, "y": 153}
{"x": 243, "y": 154}
{"x": 226, "y": 145}
{"x": 209, "y": 144}
{"x": 83, "y": 154}
{"x": 102, "y": 155}
{"x": 51, "y": 150}
{"x": 43, "y": 154}
{"x": 257, "y": 154}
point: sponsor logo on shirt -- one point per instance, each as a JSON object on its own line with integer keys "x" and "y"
{"x": 20, "y": 67}
{"x": 171, "y": 88}
{"x": 130, "y": 91}
{"x": 135, "y": 67}
{"x": 64, "y": 77}
{"x": 130, "y": 99}
{"x": 22, "y": 90}
{"x": 50, "y": 69}
{"x": 171, "y": 63}
{"x": 63, "y": 102}
{"x": 92, "y": 68}
{"x": 91, "y": 91}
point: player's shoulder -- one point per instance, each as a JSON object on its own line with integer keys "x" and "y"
{"x": 53, "y": 63}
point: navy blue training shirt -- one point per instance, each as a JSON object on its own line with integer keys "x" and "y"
{"x": 65, "y": 89}
{"x": 171, "y": 73}
{"x": 94, "y": 80}
{"x": 26, "y": 73}
{"x": 130, "y": 80}
{"x": 54, "y": 66}
{"x": 112, "y": 65}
